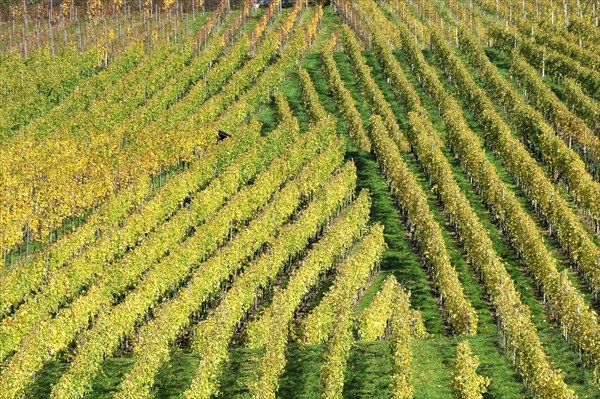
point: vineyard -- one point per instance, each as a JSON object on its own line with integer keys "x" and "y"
{"x": 343, "y": 199}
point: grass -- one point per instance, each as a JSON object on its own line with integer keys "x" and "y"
{"x": 368, "y": 371}
{"x": 300, "y": 379}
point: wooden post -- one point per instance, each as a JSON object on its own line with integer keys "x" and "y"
{"x": 24, "y": 28}
{"x": 37, "y": 34}
{"x": 50, "y": 28}
{"x": 27, "y": 240}
{"x": 12, "y": 34}
{"x": 65, "y": 36}
{"x": 79, "y": 36}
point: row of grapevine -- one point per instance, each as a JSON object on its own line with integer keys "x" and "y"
{"x": 586, "y": 108}
{"x": 244, "y": 106}
{"x": 374, "y": 320}
{"x": 310, "y": 98}
{"x": 518, "y": 225}
{"x": 212, "y": 336}
{"x": 547, "y": 25}
{"x": 267, "y": 16}
{"x": 271, "y": 331}
{"x": 109, "y": 215}
{"x": 352, "y": 274}
{"x": 478, "y": 245}
{"x": 577, "y": 320}
{"x": 66, "y": 282}
{"x": 288, "y": 23}
{"x": 479, "y": 250}
{"x": 44, "y": 28}
{"x": 586, "y": 35}
{"x": 214, "y": 21}
{"x": 284, "y": 112}
{"x": 172, "y": 318}
{"x": 582, "y": 34}
{"x": 351, "y": 278}
{"x": 138, "y": 90}
{"x": 402, "y": 333}
{"x": 348, "y": 11}
{"x": 337, "y": 351}
{"x": 175, "y": 126}
{"x": 408, "y": 98}
{"x": 466, "y": 383}
{"x": 533, "y": 126}
{"x": 473, "y": 238}
{"x": 212, "y": 78}
{"x": 197, "y": 69}
{"x": 197, "y": 82}
{"x": 519, "y": 331}
{"x": 114, "y": 281}
{"x": 351, "y": 117}
{"x": 244, "y": 78}
{"x": 133, "y": 91}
